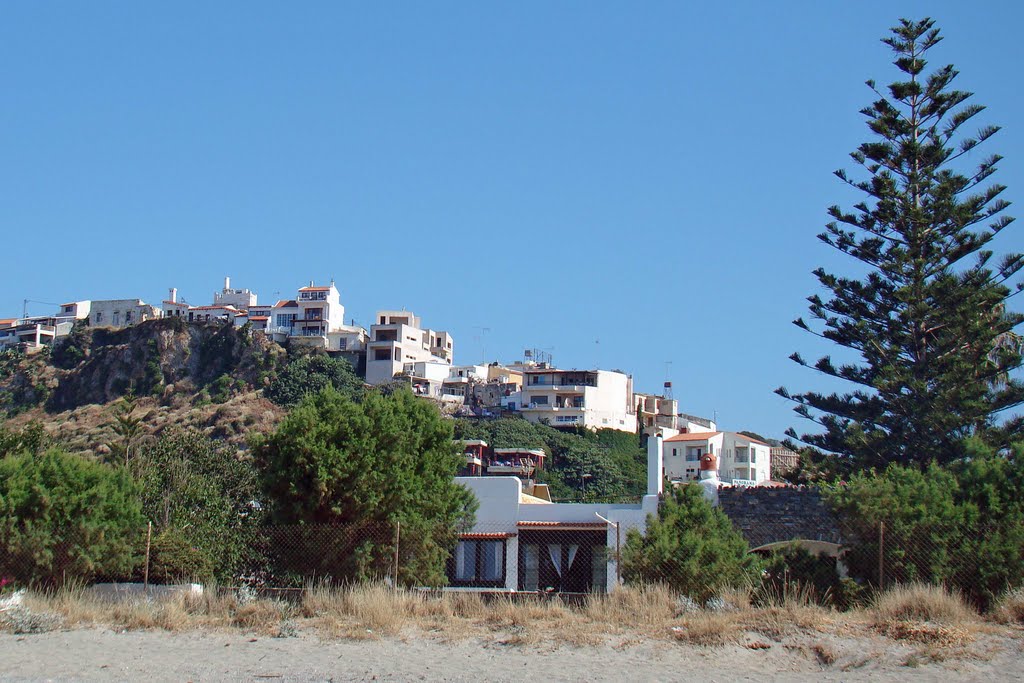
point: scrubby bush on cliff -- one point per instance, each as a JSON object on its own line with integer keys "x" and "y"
{"x": 64, "y": 517}
{"x": 309, "y": 373}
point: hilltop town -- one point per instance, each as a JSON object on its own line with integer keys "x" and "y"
{"x": 399, "y": 347}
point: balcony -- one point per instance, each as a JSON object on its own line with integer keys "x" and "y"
{"x": 312, "y": 296}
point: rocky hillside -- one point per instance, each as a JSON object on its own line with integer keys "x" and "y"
{"x": 201, "y": 375}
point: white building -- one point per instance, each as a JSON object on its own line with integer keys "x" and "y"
{"x": 118, "y": 313}
{"x": 398, "y": 338}
{"x": 741, "y": 460}
{"x": 595, "y": 399}
{"x": 241, "y": 299}
{"x": 660, "y": 415}
{"x": 522, "y": 543}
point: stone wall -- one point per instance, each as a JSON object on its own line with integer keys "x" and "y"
{"x": 768, "y": 514}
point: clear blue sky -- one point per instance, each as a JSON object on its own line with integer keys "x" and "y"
{"x": 624, "y": 184}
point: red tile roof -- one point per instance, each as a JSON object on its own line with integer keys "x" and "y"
{"x": 693, "y": 436}
{"x": 285, "y": 303}
{"x": 259, "y": 317}
{"x": 315, "y": 289}
{"x": 487, "y": 536}
{"x": 563, "y": 525}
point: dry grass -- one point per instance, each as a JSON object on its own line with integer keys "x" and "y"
{"x": 924, "y": 618}
{"x": 921, "y": 602}
{"x": 924, "y": 615}
{"x": 1010, "y": 608}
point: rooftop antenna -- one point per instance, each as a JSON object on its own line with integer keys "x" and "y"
{"x": 483, "y": 341}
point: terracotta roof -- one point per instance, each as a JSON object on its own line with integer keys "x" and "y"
{"x": 563, "y": 525}
{"x": 693, "y": 436}
{"x": 285, "y": 303}
{"x": 487, "y": 536}
{"x": 7, "y": 321}
{"x": 227, "y": 307}
{"x": 259, "y": 317}
{"x": 315, "y": 289}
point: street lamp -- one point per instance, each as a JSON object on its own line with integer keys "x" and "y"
{"x": 584, "y": 477}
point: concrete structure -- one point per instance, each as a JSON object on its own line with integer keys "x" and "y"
{"x": 741, "y": 460}
{"x": 399, "y": 338}
{"x": 522, "y": 543}
{"x": 660, "y": 415}
{"x": 595, "y": 399}
{"x": 241, "y": 299}
{"x": 118, "y": 313}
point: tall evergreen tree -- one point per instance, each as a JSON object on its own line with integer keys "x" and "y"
{"x": 929, "y": 319}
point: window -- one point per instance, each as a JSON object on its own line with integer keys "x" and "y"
{"x": 342, "y": 344}
{"x": 478, "y": 563}
{"x": 117, "y": 318}
{"x": 693, "y": 454}
{"x": 285, "y": 319}
{"x": 538, "y": 400}
{"x": 127, "y": 317}
{"x": 382, "y": 354}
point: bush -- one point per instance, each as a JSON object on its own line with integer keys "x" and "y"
{"x": 203, "y": 501}
{"x": 308, "y": 374}
{"x": 690, "y": 546}
{"x": 364, "y": 466}
{"x": 64, "y": 517}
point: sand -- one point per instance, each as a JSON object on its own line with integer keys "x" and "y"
{"x": 96, "y": 654}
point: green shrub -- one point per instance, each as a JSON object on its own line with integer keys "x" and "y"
{"x": 689, "y": 546}
{"x": 63, "y": 517}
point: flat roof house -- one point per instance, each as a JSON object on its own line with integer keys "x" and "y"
{"x": 524, "y": 543}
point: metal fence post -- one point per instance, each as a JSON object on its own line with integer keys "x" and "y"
{"x": 145, "y": 572}
{"x": 881, "y": 556}
{"x": 398, "y": 538}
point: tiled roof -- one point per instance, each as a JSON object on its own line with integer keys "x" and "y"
{"x": 315, "y": 289}
{"x": 285, "y": 303}
{"x": 486, "y": 536}
{"x": 259, "y": 317}
{"x": 227, "y": 307}
{"x": 563, "y": 525}
{"x": 693, "y": 436}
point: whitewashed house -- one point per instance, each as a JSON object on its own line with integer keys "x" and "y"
{"x": 524, "y": 543}
{"x": 742, "y": 460}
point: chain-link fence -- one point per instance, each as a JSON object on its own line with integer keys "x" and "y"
{"x": 537, "y": 557}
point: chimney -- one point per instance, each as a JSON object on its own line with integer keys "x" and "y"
{"x": 174, "y": 295}
{"x": 655, "y": 465}
{"x": 227, "y": 283}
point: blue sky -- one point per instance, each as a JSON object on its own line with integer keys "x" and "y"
{"x": 627, "y": 185}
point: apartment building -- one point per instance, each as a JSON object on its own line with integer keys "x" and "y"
{"x": 398, "y": 338}
{"x": 595, "y": 399}
{"x": 742, "y": 460}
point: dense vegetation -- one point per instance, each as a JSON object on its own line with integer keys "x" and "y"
{"x": 690, "y": 546}
{"x": 581, "y": 465}
{"x": 63, "y": 515}
{"x": 369, "y": 466}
